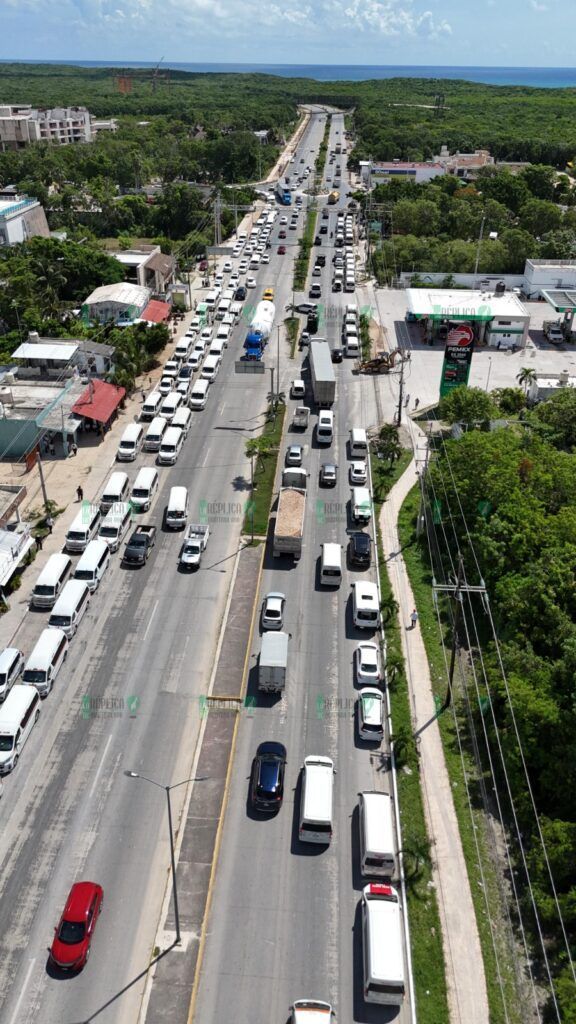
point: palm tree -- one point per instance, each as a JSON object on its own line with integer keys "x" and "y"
{"x": 526, "y": 377}
{"x": 417, "y": 858}
{"x": 388, "y": 608}
{"x": 258, "y": 448}
{"x": 387, "y": 445}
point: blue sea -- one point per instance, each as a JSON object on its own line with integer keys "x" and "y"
{"x": 541, "y": 78}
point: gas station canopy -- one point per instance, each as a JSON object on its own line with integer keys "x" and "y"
{"x": 562, "y": 300}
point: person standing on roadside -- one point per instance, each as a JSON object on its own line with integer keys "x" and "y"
{"x": 80, "y": 493}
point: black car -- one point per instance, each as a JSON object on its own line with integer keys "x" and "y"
{"x": 185, "y": 372}
{"x": 321, "y": 261}
{"x": 267, "y": 779}
{"x": 328, "y": 474}
{"x": 336, "y": 355}
{"x": 359, "y": 550}
{"x": 318, "y": 240}
{"x": 323, "y": 229}
{"x": 240, "y": 294}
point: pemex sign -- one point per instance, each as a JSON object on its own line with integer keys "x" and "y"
{"x": 457, "y": 358}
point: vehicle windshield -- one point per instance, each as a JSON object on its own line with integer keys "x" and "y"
{"x": 59, "y": 620}
{"x": 71, "y": 932}
{"x": 108, "y": 531}
{"x": 139, "y": 492}
{"x": 34, "y": 675}
{"x": 42, "y": 588}
{"x": 6, "y": 744}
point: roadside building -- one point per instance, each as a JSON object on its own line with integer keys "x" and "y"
{"x": 372, "y": 174}
{"x": 544, "y": 275}
{"x": 464, "y": 165}
{"x": 22, "y": 124}
{"x": 546, "y": 385}
{"x": 498, "y": 317}
{"x": 120, "y": 302}
{"x": 33, "y": 409}
{"x": 21, "y": 218}
{"x": 50, "y": 357}
{"x": 98, "y": 405}
{"x": 147, "y": 266}
{"x": 111, "y": 125}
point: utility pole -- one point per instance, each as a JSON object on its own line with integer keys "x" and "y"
{"x": 273, "y": 403}
{"x": 401, "y": 395}
{"x": 420, "y": 521}
{"x": 278, "y": 360}
{"x": 456, "y": 590}
{"x": 478, "y": 247}
{"x": 42, "y": 483}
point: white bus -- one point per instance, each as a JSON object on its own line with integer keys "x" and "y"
{"x": 383, "y": 955}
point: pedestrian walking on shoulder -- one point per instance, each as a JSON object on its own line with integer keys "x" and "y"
{"x": 38, "y": 543}
{"x": 79, "y": 493}
{"x": 49, "y": 524}
{"x": 416, "y": 403}
{"x": 74, "y": 448}
{"x": 413, "y": 619}
{"x": 406, "y": 401}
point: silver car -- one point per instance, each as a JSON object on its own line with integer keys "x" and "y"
{"x": 273, "y": 611}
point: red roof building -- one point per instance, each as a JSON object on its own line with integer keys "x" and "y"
{"x": 99, "y": 401}
{"x": 156, "y": 312}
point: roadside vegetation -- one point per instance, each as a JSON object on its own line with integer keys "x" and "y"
{"x": 388, "y": 462}
{"x": 302, "y": 260}
{"x": 505, "y": 499}
{"x": 263, "y": 450}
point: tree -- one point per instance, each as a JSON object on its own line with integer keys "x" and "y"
{"x": 526, "y": 378}
{"x": 520, "y": 246}
{"x": 509, "y": 400}
{"x": 387, "y": 444}
{"x": 539, "y": 216}
{"x": 541, "y": 180}
{"x": 559, "y": 414}
{"x": 470, "y": 406}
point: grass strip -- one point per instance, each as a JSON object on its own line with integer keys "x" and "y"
{"x": 264, "y": 474}
{"x": 425, "y": 931}
{"x": 291, "y": 324}
{"x": 472, "y": 825}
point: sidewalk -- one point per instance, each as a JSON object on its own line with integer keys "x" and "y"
{"x": 89, "y": 468}
{"x": 465, "y": 977}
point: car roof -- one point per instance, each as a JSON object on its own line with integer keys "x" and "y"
{"x": 79, "y": 899}
{"x": 275, "y": 594}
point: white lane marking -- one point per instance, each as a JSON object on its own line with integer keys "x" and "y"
{"x": 100, "y": 766}
{"x": 14, "y": 1017}
{"x": 150, "y": 620}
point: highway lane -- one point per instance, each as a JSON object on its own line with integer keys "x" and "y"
{"x": 297, "y": 905}
{"x": 67, "y": 811}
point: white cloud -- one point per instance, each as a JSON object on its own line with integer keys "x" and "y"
{"x": 538, "y": 7}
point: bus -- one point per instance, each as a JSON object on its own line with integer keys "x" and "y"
{"x": 283, "y": 194}
{"x": 333, "y": 198}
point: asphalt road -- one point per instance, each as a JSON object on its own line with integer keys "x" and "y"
{"x": 284, "y": 920}
{"x": 68, "y": 812}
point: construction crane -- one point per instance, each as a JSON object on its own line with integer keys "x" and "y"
{"x": 158, "y": 75}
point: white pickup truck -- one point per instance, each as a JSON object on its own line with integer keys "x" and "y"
{"x": 195, "y": 541}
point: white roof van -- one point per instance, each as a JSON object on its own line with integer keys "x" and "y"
{"x": 51, "y": 580}
{"x": 70, "y": 607}
{"x": 130, "y": 443}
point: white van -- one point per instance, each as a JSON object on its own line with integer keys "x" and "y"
{"x": 83, "y": 528}
{"x": 350, "y": 284}
{"x": 217, "y": 347}
{"x": 11, "y": 665}
{"x": 93, "y": 564}
{"x": 376, "y": 824}
{"x": 352, "y": 346}
{"x": 199, "y": 394}
{"x": 255, "y": 261}
{"x": 171, "y": 446}
{"x": 210, "y": 369}
{"x": 365, "y": 606}
{"x": 18, "y": 714}
{"x": 325, "y": 426}
{"x": 151, "y": 406}
{"x": 222, "y": 335}
{"x": 154, "y": 434}
{"x": 382, "y": 951}
{"x": 211, "y": 299}
{"x": 51, "y": 580}
{"x": 183, "y": 348}
{"x": 46, "y": 659}
{"x": 316, "y": 800}
{"x": 360, "y": 505}
{"x": 235, "y": 313}
{"x": 358, "y": 443}
{"x": 182, "y": 418}
{"x": 130, "y": 443}
{"x": 116, "y": 524}
{"x": 177, "y": 510}
{"x": 172, "y": 402}
{"x": 223, "y": 307}
{"x": 145, "y": 487}
{"x": 331, "y": 565}
{"x": 115, "y": 490}
{"x": 70, "y": 608}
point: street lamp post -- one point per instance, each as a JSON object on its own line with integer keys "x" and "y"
{"x": 167, "y": 789}
{"x": 489, "y": 372}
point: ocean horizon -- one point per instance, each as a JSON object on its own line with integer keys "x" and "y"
{"x": 541, "y": 78}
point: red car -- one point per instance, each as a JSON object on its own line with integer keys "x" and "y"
{"x": 281, "y": 250}
{"x": 71, "y": 946}
{"x": 281, "y": 234}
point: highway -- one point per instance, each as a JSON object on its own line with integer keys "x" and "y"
{"x": 285, "y": 921}
{"x": 68, "y": 812}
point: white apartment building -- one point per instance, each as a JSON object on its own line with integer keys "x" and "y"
{"x": 21, "y": 124}
{"x": 20, "y": 218}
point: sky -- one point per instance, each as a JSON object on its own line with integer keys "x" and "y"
{"x": 525, "y": 33}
